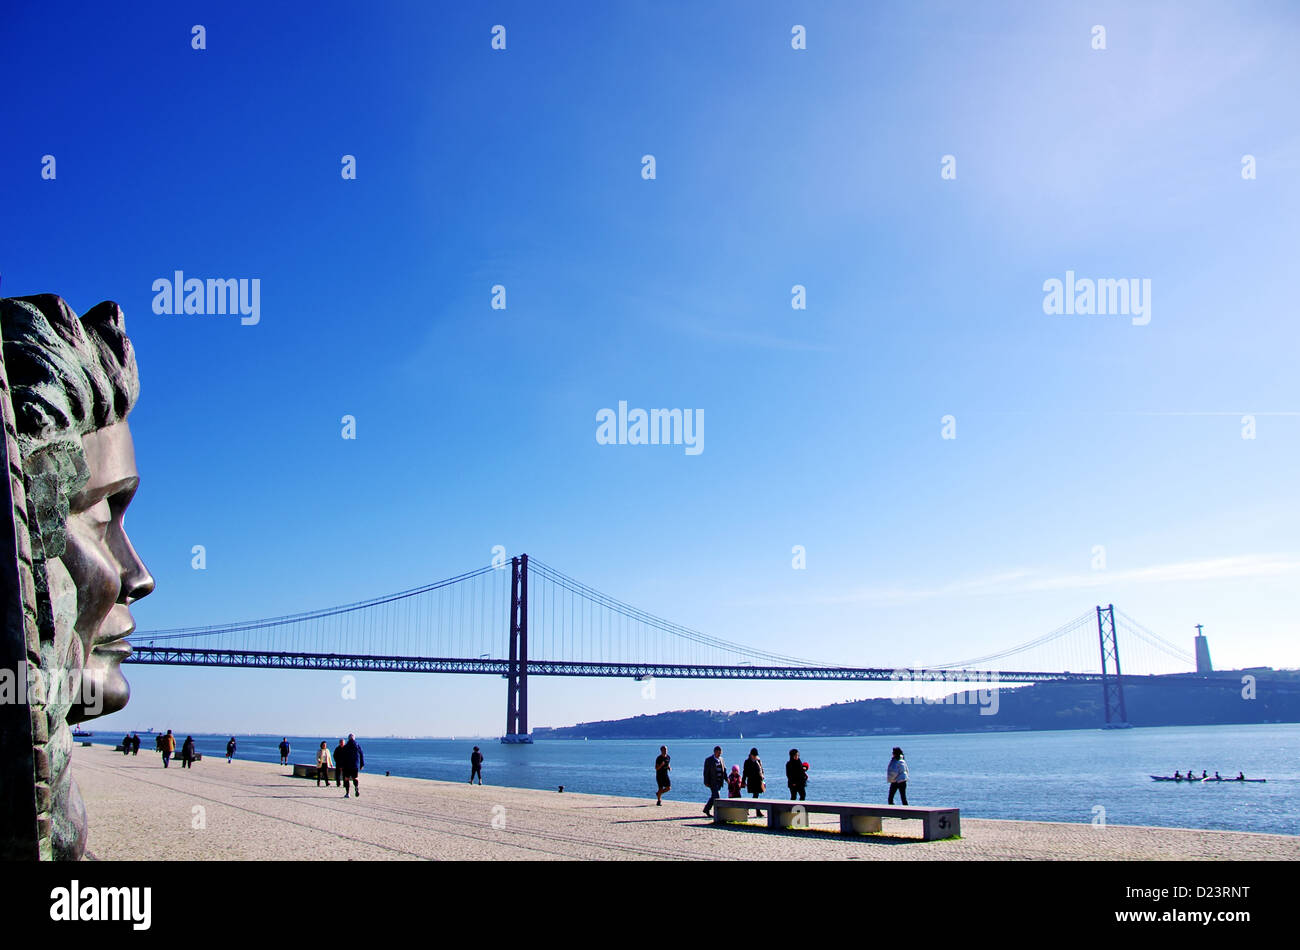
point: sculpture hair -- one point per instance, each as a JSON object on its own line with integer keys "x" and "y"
{"x": 68, "y": 376}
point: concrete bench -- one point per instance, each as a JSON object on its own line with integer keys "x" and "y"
{"x": 854, "y": 818}
{"x": 309, "y": 771}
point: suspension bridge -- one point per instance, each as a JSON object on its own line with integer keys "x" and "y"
{"x": 523, "y": 618}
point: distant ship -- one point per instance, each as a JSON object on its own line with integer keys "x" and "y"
{"x": 81, "y": 734}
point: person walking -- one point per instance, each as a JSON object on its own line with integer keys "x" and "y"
{"x": 284, "y": 751}
{"x": 715, "y": 776}
{"x": 753, "y": 776}
{"x": 897, "y": 775}
{"x": 158, "y": 742}
{"x": 230, "y": 750}
{"x": 662, "y": 781}
{"x": 476, "y": 766}
{"x": 135, "y": 743}
{"x": 126, "y": 744}
{"x": 168, "y": 745}
{"x": 187, "y": 753}
{"x": 351, "y": 761}
{"x": 796, "y": 777}
{"x": 323, "y": 764}
{"x": 338, "y": 775}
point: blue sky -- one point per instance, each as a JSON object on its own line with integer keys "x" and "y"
{"x": 775, "y": 167}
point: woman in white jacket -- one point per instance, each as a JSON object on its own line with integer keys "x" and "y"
{"x": 897, "y": 775}
{"x": 323, "y": 765}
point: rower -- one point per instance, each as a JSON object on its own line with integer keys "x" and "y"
{"x": 1178, "y": 776}
{"x": 1217, "y": 778}
{"x": 1204, "y": 774}
{"x": 1241, "y": 777}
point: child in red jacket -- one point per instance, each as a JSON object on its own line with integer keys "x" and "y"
{"x": 734, "y": 785}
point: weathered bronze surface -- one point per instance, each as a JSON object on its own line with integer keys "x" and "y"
{"x": 67, "y": 385}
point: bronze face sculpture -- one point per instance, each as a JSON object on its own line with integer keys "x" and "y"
{"x": 71, "y": 383}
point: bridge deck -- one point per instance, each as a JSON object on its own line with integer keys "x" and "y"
{"x": 280, "y": 660}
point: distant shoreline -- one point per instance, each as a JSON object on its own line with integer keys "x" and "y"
{"x": 113, "y": 737}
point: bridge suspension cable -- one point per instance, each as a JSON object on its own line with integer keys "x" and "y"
{"x": 1085, "y": 619}
{"x": 1153, "y": 639}
{"x": 622, "y": 609}
{"x": 319, "y": 614}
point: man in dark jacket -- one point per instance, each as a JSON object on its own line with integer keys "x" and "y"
{"x": 187, "y": 753}
{"x": 284, "y": 751}
{"x": 715, "y": 776}
{"x": 796, "y": 776}
{"x": 135, "y": 743}
{"x": 338, "y": 773}
{"x": 753, "y": 776}
{"x": 349, "y": 762}
{"x": 476, "y": 766}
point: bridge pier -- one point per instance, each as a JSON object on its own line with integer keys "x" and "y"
{"x": 517, "y": 676}
{"x": 1112, "y": 687}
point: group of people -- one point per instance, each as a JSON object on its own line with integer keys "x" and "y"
{"x": 166, "y": 744}
{"x": 348, "y": 758}
{"x": 752, "y": 778}
{"x": 347, "y": 761}
{"x": 1191, "y": 777}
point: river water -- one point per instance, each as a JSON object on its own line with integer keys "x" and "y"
{"x": 1071, "y": 776}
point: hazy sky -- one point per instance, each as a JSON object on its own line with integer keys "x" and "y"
{"x": 820, "y": 167}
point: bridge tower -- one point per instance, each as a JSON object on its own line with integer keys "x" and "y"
{"x": 1112, "y": 685}
{"x": 517, "y": 678}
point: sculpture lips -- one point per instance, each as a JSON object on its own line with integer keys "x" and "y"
{"x": 112, "y": 635}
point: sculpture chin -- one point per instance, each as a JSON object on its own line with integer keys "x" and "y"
{"x": 104, "y": 690}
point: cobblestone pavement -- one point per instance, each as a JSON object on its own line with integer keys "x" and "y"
{"x": 256, "y": 811}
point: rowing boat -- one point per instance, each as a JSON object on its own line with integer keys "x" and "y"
{"x": 1193, "y": 781}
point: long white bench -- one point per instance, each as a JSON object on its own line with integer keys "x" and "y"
{"x": 855, "y": 818}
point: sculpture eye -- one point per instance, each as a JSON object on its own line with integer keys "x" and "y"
{"x": 98, "y": 517}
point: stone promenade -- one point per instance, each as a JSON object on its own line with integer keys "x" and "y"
{"x": 252, "y": 811}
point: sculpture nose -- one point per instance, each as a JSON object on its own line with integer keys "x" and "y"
{"x": 137, "y": 588}
{"x": 137, "y": 582}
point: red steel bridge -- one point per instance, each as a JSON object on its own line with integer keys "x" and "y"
{"x": 522, "y": 618}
